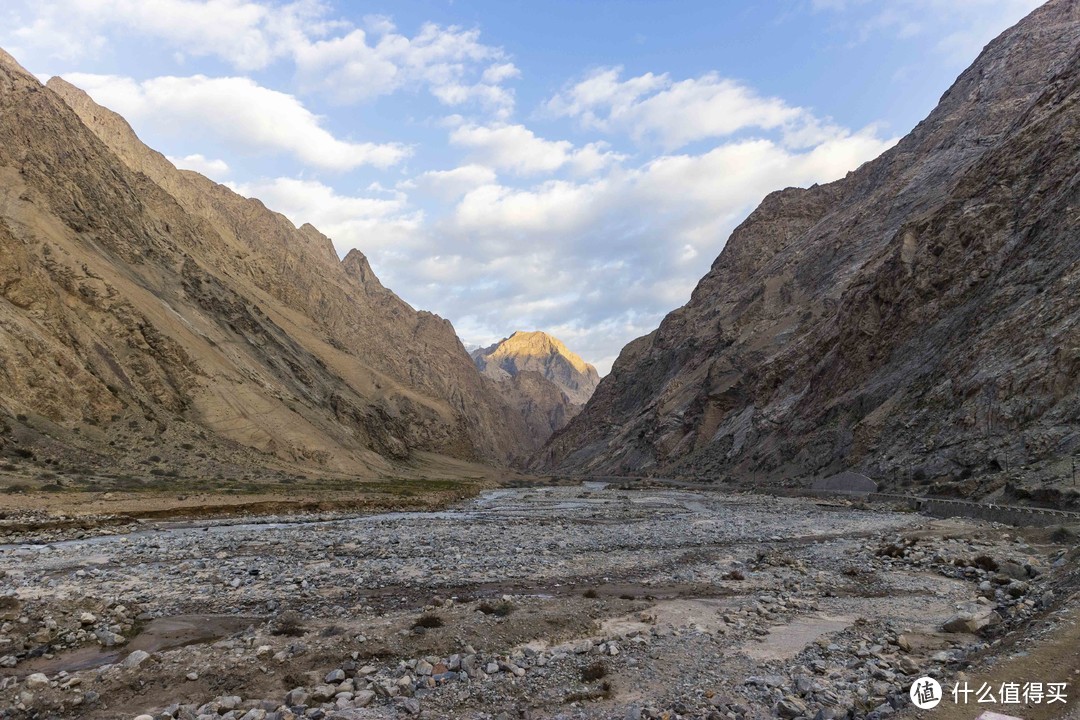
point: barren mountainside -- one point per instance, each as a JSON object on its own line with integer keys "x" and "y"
{"x": 540, "y": 376}
{"x": 144, "y": 309}
{"x": 916, "y": 320}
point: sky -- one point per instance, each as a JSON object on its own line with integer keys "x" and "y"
{"x": 572, "y": 166}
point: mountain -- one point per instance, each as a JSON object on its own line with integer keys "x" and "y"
{"x": 916, "y": 320}
{"x": 146, "y": 311}
{"x": 541, "y": 377}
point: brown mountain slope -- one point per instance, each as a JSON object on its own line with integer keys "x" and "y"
{"x": 541, "y": 377}
{"x": 917, "y": 319}
{"x": 144, "y": 307}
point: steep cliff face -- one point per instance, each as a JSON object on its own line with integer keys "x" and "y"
{"x": 141, "y": 304}
{"x": 916, "y": 320}
{"x": 537, "y": 374}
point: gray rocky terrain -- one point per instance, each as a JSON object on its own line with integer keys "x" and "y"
{"x": 547, "y": 602}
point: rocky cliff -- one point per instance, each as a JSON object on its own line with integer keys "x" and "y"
{"x": 147, "y": 311}
{"x": 541, "y": 377}
{"x": 916, "y": 320}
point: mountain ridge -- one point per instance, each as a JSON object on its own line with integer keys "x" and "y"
{"x": 539, "y": 375}
{"x": 867, "y": 323}
{"x": 140, "y": 301}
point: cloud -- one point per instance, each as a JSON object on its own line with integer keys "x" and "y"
{"x": 236, "y": 111}
{"x": 517, "y": 149}
{"x": 374, "y": 224}
{"x": 596, "y": 260}
{"x": 451, "y": 62}
{"x": 450, "y": 185}
{"x": 330, "y": 56}
{"x": 672, "y": 113}
{"x": 212, "y": 168}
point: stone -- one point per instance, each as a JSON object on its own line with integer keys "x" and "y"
{"x": 410, "y": 706}
{"x": 790, "y": 707}
{"x": 297, "y": 697}
{"x": 966, "y": 623}
{"x": 363, "y": 698}
{"x": 36, "y": 681}
{"x": 135, "y": 659}
{"x": 108, "y": 638}
{"x": 87, "y": 618}
{"x": 334, "y": 676}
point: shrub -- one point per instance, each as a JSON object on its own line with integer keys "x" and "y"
{"x": 593, "y": 672}
{"x": 591, "y": 594}
{"x": 289, "y": 624}
{"x": 428, "y": 622}
{"x": 502, "y": 609}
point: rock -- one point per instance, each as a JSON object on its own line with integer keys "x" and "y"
{"x": 109, "y": 639}
{"x": 135, "y": 659}
{"x": 322, "y": 693}
{"x": 192, "y": 676}
{"x": 297, "y": 697}
{"x": 87, "y": 618}
{"x": 966, "y": 623}
{"x": 410, "y": 706}
{"x": 335, "y": 676}
{"x": 363, "y": 698}
{"x": 144, "y": 717}
{"x": 36, "y": 681}
{"x": 790, "y": 707}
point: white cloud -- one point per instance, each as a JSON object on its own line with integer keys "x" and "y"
{"x": 212, "y": 168}
{"x": 237, "y": 111}
{"x": 672, "y": 113}
{"x": 330, "y": 56}
{"x": 517, "y": 149}
{"x": 448, "y": 61}
{"x": 452, "y": 184}
{"x": 596, "y": 261}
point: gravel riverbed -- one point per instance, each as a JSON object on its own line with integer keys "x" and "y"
{"x": 560, "y": 602}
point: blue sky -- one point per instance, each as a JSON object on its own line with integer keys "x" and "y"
{"x": 570, "y": 166}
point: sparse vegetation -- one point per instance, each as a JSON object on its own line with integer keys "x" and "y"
{"x": 591, "y": 594}
{"x": 289, "y": 624}
{"x": 593, "y": 672}
{"x": 428, "y": 622}
{"x": 501, "y": 609}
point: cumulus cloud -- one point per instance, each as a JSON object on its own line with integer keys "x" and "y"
{"x": 596, "y": 260}
{"x": 211, "y": 167}
{"x": 330, "y": 56}
{"x": 451, "y": 62}
{"x": 238, "y": 111}
{"x": 517, "y": 149}
{"x": 451, "y": 184}
{"x": 674, "y": 113}
{"x": 384, "y": 225}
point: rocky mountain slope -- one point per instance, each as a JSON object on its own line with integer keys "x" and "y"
{"x": 147, "y": 312}
{"x": 916, "y": 320}
{"x": 541, "y": 377}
